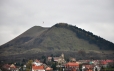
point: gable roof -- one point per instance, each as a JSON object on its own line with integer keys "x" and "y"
{"x": 55, "y": 58}
{"x": 103, "y": 62}
{"x": 12, "y": 66}
{"x": 48, "y": 68}
{"x": 72, "y": 64}
{"x": 37, "y": 67}
{"x": 6, "y": 66}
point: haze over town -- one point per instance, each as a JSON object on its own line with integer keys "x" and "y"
{"x": 18, "y": 16}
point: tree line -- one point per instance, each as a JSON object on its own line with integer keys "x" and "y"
{"x": 102, "y": 43}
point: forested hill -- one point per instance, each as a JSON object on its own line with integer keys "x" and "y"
{"x": 103, "y": 44}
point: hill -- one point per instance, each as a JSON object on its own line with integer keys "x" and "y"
{"x": 61, "y": 37}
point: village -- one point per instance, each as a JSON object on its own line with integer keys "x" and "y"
{"x": 60, "y": 64}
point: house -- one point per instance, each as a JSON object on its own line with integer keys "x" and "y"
{"x": 24, "y": 67}
{"x": 90, "y": 66}
{"x": 55, "y": 59}
{"x": 6, "y": 66}
{"x": 97, "y": 68}
{"x": 11, "y": 67}
{"x": 87, "y": 67}
{"x": 49, "y": 69}
{"x": 110, "y": 63}
{"x": 106, "y": 63}
{"x": 103, "y": 63}
{"x": 72, "y": 60}
{"x": 37, "y": 66}
{"x": 60, "y": 59}
{"x": 71, "y": 66}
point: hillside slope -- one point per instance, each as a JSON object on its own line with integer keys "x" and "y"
{"x": 14, "y": 46}
{"x": 60, "y": 37}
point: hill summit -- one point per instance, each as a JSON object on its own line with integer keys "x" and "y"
{"x": 59, "y": 37}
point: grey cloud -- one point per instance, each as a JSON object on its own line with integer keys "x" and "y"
{"x": 27, "y": 13}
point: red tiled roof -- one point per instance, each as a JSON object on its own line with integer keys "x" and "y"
{"x": 72, "y": 64}
{"x": 103, "y": 62}
{"x": 48, "y": 68}
{"x": 109, "y": 60}
{"x": 89, "y": 66}
{"x": 37, "y": 67}
{"x": 6, "y": 66}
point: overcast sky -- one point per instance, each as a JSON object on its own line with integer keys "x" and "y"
{"x": 96, "y": 16}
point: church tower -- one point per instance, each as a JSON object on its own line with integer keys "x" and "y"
{"x": 62, "y": 56}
